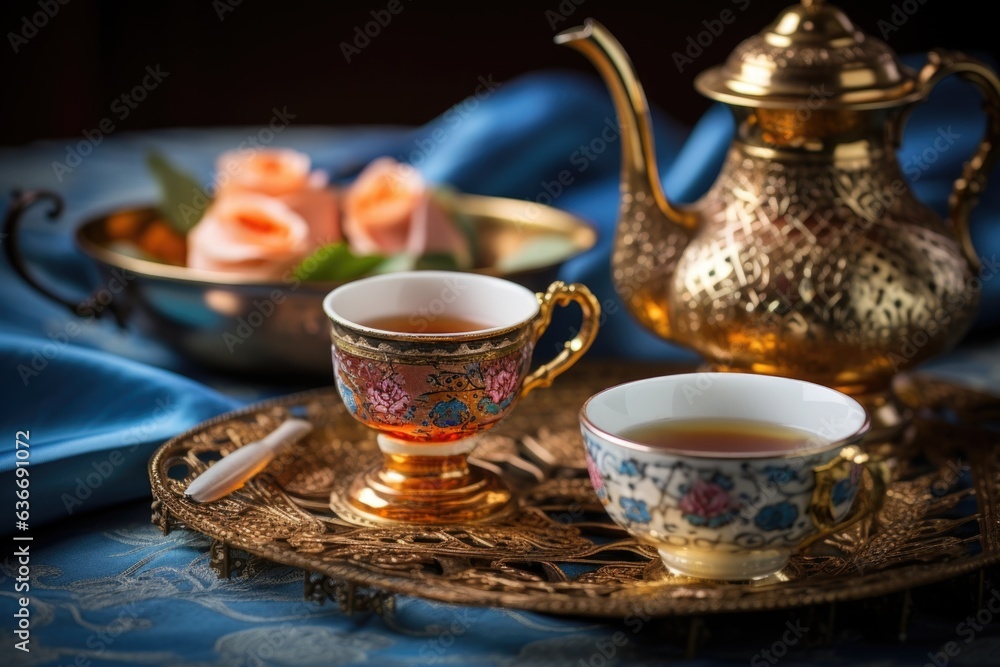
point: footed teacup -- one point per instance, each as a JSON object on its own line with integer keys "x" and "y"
{"x": 431, "y": 360}
{"x": 725, "y": 474}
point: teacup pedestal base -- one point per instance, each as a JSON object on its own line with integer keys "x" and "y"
{"x": 421, "y": 483}
{"x": 742, "y": 566}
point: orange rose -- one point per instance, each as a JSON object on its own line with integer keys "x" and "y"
{"x": 284, "y": 174}
{"x": 272, "y": 171}
{"x": 318, "y": 207}
{"x": 250, "y": 234}
{"x": 389, "y": 209}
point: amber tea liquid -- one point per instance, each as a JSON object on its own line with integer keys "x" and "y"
{"x": 729, "y": 436}
{"x": 440, "y": 324}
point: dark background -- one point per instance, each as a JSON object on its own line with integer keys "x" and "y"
{"x": 260, "y": 55}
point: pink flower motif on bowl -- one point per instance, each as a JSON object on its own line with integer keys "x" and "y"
{"x": 596, "y": 479}
{"x": 706, "y": 500}
{"x": 389, "y": 401}
{"x": 501, "y": 378}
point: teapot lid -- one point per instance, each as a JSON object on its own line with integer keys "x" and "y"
{"x": 811, "y": 53}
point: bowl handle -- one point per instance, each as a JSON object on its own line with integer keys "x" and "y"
{"x": 19, "y": 204}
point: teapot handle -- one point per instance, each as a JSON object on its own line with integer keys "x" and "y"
{"x": 968, "y": 187}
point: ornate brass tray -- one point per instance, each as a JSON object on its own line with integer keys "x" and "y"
{"x": 561, "y": 554}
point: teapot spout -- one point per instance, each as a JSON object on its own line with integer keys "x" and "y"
{"x": 652, "y": 233}
{"x": 639, "y": 171}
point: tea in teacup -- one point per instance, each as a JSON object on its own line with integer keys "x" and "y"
{"x": 441, "y": 324}
{"x": 720, "y": 436}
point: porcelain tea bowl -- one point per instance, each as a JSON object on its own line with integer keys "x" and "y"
{"x": 732, "y": 516}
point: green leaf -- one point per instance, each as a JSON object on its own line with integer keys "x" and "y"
{"x": 399, "y": 262}
{"x": 182, "y": 199}
{"x": 539, "y": 251}
{"x": 336, "y": 263}
{"x": 432, "y": 261}
{"x": 437, "y": 261}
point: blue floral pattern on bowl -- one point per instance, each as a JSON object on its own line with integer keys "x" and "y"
{"x": 447, "y": 414}
{"x": 779, "y": 516}
{"x": 726, "y": 506}
{"x": 635, "y": 510}
{"x": 727, "y": 514}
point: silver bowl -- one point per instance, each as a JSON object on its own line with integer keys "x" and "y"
{"x": 275, "y": 328}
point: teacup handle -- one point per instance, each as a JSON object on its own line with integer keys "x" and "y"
{"x": 561, "y": 294}
{"x": 827, "y": 476}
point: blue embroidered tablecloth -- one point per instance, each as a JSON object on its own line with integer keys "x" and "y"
{"x": 106, "y": 588}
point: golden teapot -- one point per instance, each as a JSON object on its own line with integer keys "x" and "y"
{"x": 809, "y": 257}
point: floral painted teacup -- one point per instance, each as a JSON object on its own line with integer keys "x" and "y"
{"x": 723, "y": 514}
{"x": 431, "y": 359}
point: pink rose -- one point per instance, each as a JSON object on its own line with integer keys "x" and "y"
{"x": 284, "y": 174}
{"x": 706, "y": 499}
{"x": 389, "y": 209}
{"x": 249, "y": 234}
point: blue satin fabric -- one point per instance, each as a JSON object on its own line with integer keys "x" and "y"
{"x": 98, "y": 401}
